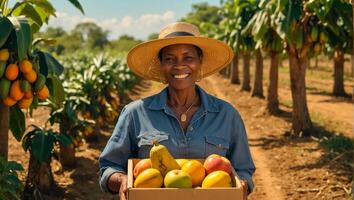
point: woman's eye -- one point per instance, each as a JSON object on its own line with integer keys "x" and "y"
{"x": 189, "y": 58}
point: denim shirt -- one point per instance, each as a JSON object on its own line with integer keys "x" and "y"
{"x": 216, "y": 127}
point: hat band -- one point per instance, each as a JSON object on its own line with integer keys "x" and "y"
{"x": 178, "y": 33}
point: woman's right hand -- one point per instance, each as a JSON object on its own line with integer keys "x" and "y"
{"x": 117, "y": 183}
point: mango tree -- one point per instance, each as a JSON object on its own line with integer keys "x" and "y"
{"x": 237, "y": 14}
{"x": 294, "y": 26}
{"x": 261, "y": 26}
{"x": 336, "y": 34}
{"x": 29, "y": 77}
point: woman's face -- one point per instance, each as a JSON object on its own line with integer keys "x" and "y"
{"x": 180, "y": 64}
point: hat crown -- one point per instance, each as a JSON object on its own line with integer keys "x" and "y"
{"x": 179, "y": 29}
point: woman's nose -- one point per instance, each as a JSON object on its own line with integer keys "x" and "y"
{"x": 179, "y": 67}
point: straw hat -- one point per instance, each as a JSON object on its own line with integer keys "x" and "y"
{"x": 143, "y": 58}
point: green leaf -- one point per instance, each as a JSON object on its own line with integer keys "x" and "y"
{"x": 77, "y": 4}
{"x": 45, "y": 5}
{"x": 14, "y": 166}
{"x": 44, "y": 15}
{"x": 56, "y": 89}
{"x": 48, "y": 64}
{"x": 17, "y": 122}
{"x": 6, "y": 28}
{"x": 26, "y": 139}
{"x": 23, "y": 35}
{"x": 42, "y": 145}
{"x": 63, "y": 139}
{"x": 28, "y": 11}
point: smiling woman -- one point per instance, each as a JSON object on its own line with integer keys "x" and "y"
{"x": 183, "y": 117}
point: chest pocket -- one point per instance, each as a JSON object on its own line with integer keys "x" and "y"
{"x": 215, "y": 145}
{"x": 145, "y": 141}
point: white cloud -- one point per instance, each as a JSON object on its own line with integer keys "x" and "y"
{"x": 139, "y": 27}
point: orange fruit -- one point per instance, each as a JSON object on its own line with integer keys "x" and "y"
{"x": 11, "y": 72}
{"x": 15, "y": 91}
{"x": 25, "y": 66}
{"x": 8, "y": 101}
{"x": 31, "y": 76}
{"x": 25, "y": 103}
{"x": 28, "y": 94}
{"x": 4, "y": 54}
{"x": 43, "y": 93}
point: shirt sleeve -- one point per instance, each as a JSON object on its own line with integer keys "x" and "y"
{"x": 240, "y": 154}
{"x": 114, "y": 157}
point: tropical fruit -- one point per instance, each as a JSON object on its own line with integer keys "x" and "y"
{"x": 317, "y": 48}
{"x": 161, "y": 159}
{"x": 323, "y": 37}
{"x": 28, "y": 94}
{"x": 40, "y": 82}
{"x": 25, "y": 86}
{"x": 25, "y": 66}
{"x": 43, "y": 93}
{"x": 141, "y": 166}
{"x": 2, "y": 68}
{"x": 15, "y": 91}
{"x": 196, "y": 170}
{"x": 149, "y": 178}
{"x": 4, "y": 88}
{"x": 178, "y": 179}
{"x": 11, "y": 72}
{"x": 216, "y": 162}
{"x": 25, "y": 103}
{"x": 314, "y": 34}
{"x": 31, "y": 76}
{"x": 8, "y": 101}
{"x": 181, "y": 162}
{"x": 217, "y": 179}
{"x": 4, "y": 54}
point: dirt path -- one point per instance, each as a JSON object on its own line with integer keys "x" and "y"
{"x": 266, "y": 184}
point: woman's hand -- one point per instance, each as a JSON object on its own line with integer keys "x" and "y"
{"x": 117, "y": 183}
{"x": 245, "y": 189}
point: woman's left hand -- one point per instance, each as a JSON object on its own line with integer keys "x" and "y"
{"x": 245, "y": 189}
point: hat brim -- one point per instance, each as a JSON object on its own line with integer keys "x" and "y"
{"x": 143, "y": 58}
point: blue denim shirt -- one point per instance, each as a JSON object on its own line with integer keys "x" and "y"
{"x": 216, "y": 127}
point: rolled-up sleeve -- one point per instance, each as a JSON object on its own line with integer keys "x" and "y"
{"x": 240, "y": 154}
{"x": 118, "y": 150}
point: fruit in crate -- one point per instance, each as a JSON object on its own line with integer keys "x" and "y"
{"x": 181, "y": 162}
{"x": 178, "y": 179}
{"x": 216, "y": 162}
{"x": 161, "y": 159}
{"x": 196, "y": 170}
{"x": 217, "y": 179}
{"x": 149, "y": 178}
{"x": 141, "y": 166}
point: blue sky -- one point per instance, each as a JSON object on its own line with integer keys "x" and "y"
{"x": 138, "y": 18}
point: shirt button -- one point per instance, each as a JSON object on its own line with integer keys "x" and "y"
{"x": 219, "y": 145}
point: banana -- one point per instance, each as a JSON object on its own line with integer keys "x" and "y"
{"x": 161, "y": 159}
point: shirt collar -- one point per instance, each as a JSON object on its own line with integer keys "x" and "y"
{"x": 158, "y": 101}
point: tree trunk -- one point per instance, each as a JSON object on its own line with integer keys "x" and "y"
{"x": 39, "y": 177}
{"x": 258, "y": 79}
{"x": 228, "y": 70}
{"x": 300, "y": 118}
{"x": 67, "y": 156}
{"x": 338, "y": 87}
{"x": 246, "y": 73}
{"x": 235, "y": 78}
{"x": 4, "y": 130}
{"x": 316, "y": 62}
{"x": 272, "y": 99}
{"x": 224, "y": 71}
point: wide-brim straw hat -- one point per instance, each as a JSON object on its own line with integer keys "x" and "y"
{"x": 143, "y": 59}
